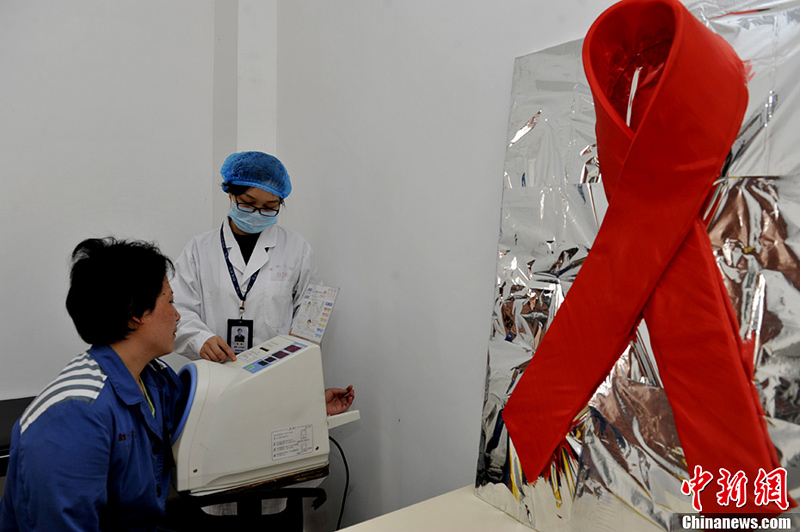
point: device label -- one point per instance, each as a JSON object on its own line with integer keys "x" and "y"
{"x": 292, "y": 441}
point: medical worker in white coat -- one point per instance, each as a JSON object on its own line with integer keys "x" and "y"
{"x": 249, "y": 274}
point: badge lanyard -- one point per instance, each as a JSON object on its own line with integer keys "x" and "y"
{"x": 242, "y": 297}
{"x": 240, "y": 331}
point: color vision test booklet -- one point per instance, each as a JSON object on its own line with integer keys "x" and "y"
{"x": 314, "y": 312}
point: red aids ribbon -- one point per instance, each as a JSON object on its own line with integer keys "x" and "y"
{"x": 669, "y": 97}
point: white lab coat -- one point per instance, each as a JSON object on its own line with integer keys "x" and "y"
{"x": 206, "y": 298}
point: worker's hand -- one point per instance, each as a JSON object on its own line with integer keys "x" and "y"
{"x": 338, "y": 400}
{"x": 217, "y": 350}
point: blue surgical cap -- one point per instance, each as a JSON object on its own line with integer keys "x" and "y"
{"x": 256, "y": 169}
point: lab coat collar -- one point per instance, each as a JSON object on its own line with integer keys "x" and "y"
{"x": 267, "y": 239}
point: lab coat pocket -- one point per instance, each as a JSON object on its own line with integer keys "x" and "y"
{"x": 278, "y": 304}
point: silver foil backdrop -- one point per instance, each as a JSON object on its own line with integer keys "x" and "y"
{"x": 624, "y": 466}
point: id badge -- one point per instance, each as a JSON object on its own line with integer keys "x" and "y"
{"x": 240, "y": 335}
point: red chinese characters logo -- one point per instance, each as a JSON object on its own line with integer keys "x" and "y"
{"x": 768, "y": 488}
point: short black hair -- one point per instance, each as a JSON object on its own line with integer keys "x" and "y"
{"x": 238, "y": 190}
{"x": 111, "y": 282}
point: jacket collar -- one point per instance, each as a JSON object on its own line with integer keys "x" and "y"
{"x": 267, "y": 239}
{"x": 121, "y": 379}
{"x": 126, "y": 388}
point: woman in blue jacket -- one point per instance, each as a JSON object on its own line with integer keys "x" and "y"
{"x": 91, "y": 451}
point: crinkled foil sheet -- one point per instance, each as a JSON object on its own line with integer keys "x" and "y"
{"x": 624, "y": 465}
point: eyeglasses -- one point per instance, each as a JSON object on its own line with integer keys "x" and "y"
{"x": 263, "y": 211}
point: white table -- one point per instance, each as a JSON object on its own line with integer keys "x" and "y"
{"x": 458, "y": 511}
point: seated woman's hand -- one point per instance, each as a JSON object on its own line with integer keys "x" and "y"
{"x": 338, "y": 400}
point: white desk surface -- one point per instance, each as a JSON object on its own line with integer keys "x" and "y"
{"x": 458, "y": 511}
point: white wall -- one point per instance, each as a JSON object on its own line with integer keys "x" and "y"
{"x": 392, "y": 121}
{"x": 246, "y": 89}
{"x": 115, "y": 118}
{"x": 391, "y": 118}
{"x": 105, "y": 128}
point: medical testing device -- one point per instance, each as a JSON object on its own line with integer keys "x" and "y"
{"x": 254, "y": 420}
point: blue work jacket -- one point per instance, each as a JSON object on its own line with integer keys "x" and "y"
{"x": 88, "y": 454}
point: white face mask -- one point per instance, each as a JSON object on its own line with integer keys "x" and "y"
{"x": 251, "y": 222}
